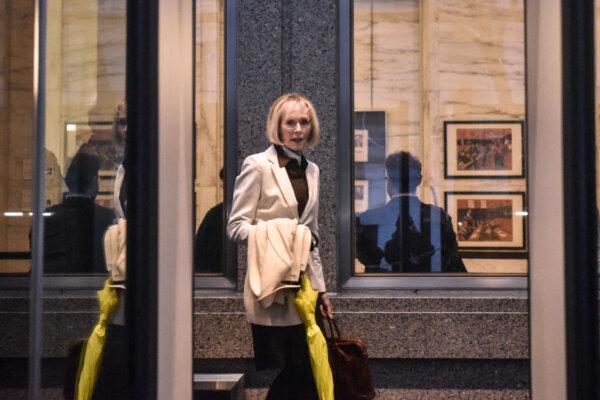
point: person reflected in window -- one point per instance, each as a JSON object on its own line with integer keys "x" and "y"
{"x": 405, "y": 234}
{"x": 120, "y": 136}
{"x": 73, "y": 229}
{"x": 208, "y": 243}
{"x": 111, "y": 382}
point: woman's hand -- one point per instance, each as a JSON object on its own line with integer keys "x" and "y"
{"x": 326, "y": 307}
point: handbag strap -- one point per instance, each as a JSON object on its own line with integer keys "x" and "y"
{"x": 335, "y": 333}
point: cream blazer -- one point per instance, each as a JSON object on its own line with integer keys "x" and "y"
{"x": 263, "y": 192}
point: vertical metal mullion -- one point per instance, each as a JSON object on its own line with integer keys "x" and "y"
{"x": 37, "y": 236}
{"x": 580, "y": 215}
{"x": 141, "y": 167}
{"x": 231, "y": 114}
{"x": 345, "y": 129}
{"x": 546, "y": 200}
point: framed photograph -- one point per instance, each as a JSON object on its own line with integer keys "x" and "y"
{"x": 484, "y": 149}
{"x": 489, "y": 221}
{"x": 361, "y": 196}
{"x": 361, "y": 145}
{"x": 369, "y": 148}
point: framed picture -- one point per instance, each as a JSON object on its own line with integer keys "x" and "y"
{"x": 361, "y": 145}
{"x": 489, "y": 221}
{"x": 484, "y": 149}
{"x": 361, "y": 196}
{"x": 369, "y": 155}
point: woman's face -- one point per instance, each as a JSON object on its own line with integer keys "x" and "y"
{"x": 121, "y": 120}
{"x": 295, "y": 126}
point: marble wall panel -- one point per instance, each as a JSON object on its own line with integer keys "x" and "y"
{"x": 482, "y": 66}
{"x": 21, "y": 45}
{"x": 362, "y": 41}
{"x": 209, "y": 105}
{"x": 14, "y": 266}
{"x": 466, "y": 21}
{"x": 410, "y": 143}
{"x": 475, "y": 105}
{"x": 492, "y": 266}
{"x": 79, "y": 58}
{"x": 17, "y": 127}
{"x": 5, "y": 22}
{"x": 111, "y": 39}
{"x": 386, "y": 69}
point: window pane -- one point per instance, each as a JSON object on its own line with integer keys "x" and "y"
{"x": 439, "y": 140}
{"x": 209, "y": 239}
{"x": 84, "y": 132}
{"x": 85, "y": 72}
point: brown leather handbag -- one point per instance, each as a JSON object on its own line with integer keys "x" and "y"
{"x": 350, "y": 367}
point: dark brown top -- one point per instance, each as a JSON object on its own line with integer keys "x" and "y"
{"x": 297, "y": 174}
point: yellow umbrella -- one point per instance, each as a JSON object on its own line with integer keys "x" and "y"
{"x": 306, "y": 302}
{"x": 92, "y": 351}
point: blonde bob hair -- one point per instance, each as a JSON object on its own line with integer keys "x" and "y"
{"x": 276, "y": 116}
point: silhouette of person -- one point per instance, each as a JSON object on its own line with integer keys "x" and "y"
{"x": 405, "y": 234}
{"x": 73, "y": 229}
{"x": 208, "y": 243}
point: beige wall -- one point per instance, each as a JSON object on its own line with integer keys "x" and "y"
{"x": 86, "y": 66}
{"x": 387, "y": 68}
{"x": 16, "y": 127}
{"x": 429, "y": 61}
{"x": 209, "y": 105}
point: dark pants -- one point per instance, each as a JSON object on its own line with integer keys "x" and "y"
{"x": 293, "y": 384}
{"x": 284, "y": 348}
{"x": 112, "y": 376}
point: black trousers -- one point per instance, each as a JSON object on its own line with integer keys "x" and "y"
{"x": 112, "y": 376}
{"x": 293, "y": 384}
{"x": 284, "y": 348}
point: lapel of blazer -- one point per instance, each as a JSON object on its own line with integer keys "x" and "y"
{"x": 311, "y": 180}
{"x": 282, "y": 179}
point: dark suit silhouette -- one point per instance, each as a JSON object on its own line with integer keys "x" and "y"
{"x": 407, "y": 235}
{"x": 208, "y": 244}
{"x": 73, "y": 236}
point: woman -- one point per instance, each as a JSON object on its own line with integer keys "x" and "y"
{"x": 281, "y": 183}
{"x": 119, "y": 136}
{"x": 112, "y": 376}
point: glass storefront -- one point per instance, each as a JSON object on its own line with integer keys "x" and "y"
{"x": 85, "y": 126}
{"x": 432, "y": 203}
{"x": 209, "y": 240}
{"x": 439, "y": 122}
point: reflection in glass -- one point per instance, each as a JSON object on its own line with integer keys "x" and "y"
{"x": 74, "y": 229}
{"x": 209, "y": 137}
{"x": 208, "y": 243}
{"x": 405, "y": 234}
{"x": 451, "y": 93}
